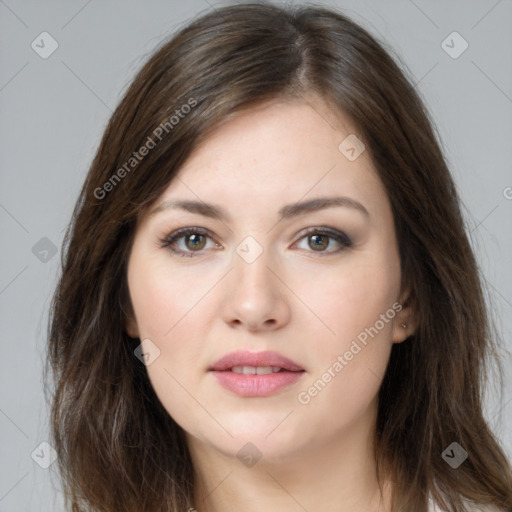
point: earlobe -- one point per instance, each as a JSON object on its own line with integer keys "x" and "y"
{"x": 405, "y": 320}
{"x": 130, "y": 323}
{"x": 401, "y": 331}
{"x": 131, "y": 328}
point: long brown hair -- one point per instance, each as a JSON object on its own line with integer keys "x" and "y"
{"x": 118, "y": 449}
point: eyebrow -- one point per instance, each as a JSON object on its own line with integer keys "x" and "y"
{"x": 286, "y": 212}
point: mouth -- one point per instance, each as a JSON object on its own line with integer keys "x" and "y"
{"x": 251, "y": 363}
{"x": 257, "y": 374}
{"x": 257, "y": 370}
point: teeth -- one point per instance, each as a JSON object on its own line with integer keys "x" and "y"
{"x": 253, "y": 370}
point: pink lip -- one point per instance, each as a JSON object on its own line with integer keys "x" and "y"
{"x": 245, "y": 358}
{"x": 256, "y": 385}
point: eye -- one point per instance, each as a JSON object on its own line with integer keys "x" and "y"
{"x": 187, "y": 241}
{"x": 194, "y": 241}
{"x": 319, "y": 239}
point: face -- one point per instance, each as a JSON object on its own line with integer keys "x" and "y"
{"x": 262, "y": 267}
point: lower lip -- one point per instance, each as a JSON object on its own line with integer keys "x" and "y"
{"x": 256, "y": 385}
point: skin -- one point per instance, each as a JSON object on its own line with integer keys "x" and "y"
{"x": 306, "y": 304}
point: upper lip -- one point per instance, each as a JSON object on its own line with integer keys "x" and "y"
{"x": 245, "y": 358}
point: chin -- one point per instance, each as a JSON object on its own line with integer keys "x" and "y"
{"x": 255, "y": 449}
{"x": 258, "y": 435}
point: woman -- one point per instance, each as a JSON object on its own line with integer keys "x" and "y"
{"x": 268, "y": 299}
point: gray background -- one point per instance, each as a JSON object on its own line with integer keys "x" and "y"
{"x": 53, "y": 112}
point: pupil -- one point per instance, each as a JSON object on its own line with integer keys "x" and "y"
{"x": 195, "y": 241}
{"x": 321, "y": 245}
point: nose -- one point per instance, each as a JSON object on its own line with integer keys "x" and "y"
{"x": 256, "y": 298}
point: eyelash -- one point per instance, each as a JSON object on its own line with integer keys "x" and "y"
{"x": 338, "y": 236}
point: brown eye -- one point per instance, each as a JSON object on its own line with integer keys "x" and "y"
{"x": 190, "y": 242}
{"x": 325, "y": 241}
{"x": 195, "y": 241}
{"x": 318, "y": 242}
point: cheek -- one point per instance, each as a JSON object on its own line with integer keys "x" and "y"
{"x": 162, "y": 297}
{"x": 348, "y": 299}
{"x": 351, "y": 362}
{"x": 169, "y": 308}
{"x": 355, "y": 305}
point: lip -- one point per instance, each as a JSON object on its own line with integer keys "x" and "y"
{"x": 246, "y": 358}
{"x": 256, "y": 385}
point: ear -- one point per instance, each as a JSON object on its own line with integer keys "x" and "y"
{"x": 131, "y": 327}
{"x": 130, "y": 323}
{"x": 405, "y": 321}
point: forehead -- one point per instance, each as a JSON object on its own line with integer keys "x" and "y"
{"x": 277, "y": 153}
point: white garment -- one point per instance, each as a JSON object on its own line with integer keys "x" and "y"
{"x": 475, "y": 508}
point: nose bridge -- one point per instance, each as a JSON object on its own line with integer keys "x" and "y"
{"x": 251, "y": 274}
{"x": 255, "y": 298}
